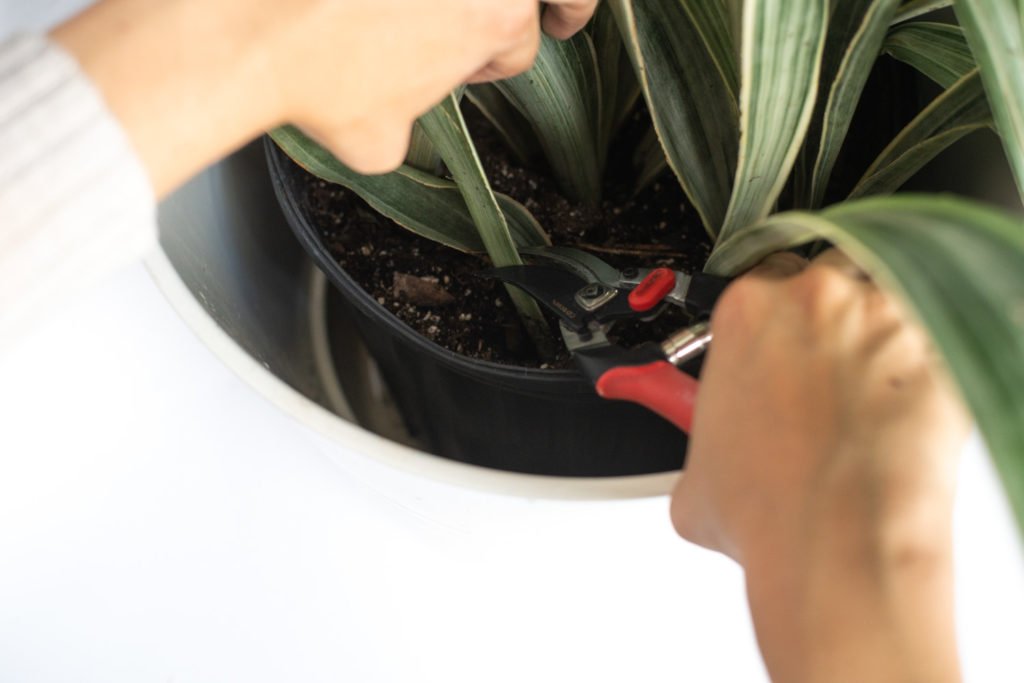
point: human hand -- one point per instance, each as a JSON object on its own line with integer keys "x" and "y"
{"x": 822, "y": 458}
{"x": 191, "y": 80}
{"x": 362, "y": 99}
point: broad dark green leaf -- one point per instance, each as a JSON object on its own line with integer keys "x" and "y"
{"x": 424, "y": 204}
{"x": 734, "y": 8}
{"x": 995, "y": 32}
{"x": 916, "y": 8}
{"x": 960, "y": 110}
{"x": 713, "y": 21}
{"x": 691, "y": 104}
{"x": 857, "y": 30}
{"x": 620, "y": 89}
{"x": 446, "y": 128}
{"x": 939, "y": 51}
{"x": 422, "y": 153}
{"x": 957, "y": 265}
{"x": 649, "y": 160}
{"x": 783, "y": 42}
{"x": 513, "y": 127}
{"x": 561, "y": 98}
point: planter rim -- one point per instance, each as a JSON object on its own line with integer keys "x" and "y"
{"x": 367, "y": 444}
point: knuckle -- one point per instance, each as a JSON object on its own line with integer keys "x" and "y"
{"x": 564, "y": 19}
{"x": 819, "y": 291}
{"x": 736, "y": 305}
{"x": 523, "y": 61}
{"x": 513, "y": 20}
{"x": 374, "y": 150}
{"x": 683, "y": 517}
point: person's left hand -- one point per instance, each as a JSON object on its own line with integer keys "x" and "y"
{"x": 191, "y": 80}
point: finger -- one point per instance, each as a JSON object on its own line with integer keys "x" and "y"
{"x": 779, "y": 266}
{"x": 367, "y": 147}
{"x": 564, "y": 18}
{"x": 512, "y": 62}
{"x": 684, "y": 511}
{"x": 691, "y": 518}
{"x": 833, "y": 258}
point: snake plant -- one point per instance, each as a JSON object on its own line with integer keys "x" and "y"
{"x": 751, "y": 104}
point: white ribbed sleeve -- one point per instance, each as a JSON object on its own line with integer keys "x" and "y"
{"x": 75, "y": 202}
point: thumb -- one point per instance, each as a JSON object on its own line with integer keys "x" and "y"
{"x": 367, "y": 147}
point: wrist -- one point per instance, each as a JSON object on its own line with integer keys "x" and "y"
{"x": 858, "y": 600}
{"x": 182, "y": 77}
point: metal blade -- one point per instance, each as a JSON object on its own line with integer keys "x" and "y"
{"x": 587, "y": 266}
{"x": 553, "y": 287}
{"x": 681, "y": 291}
{"x": 593, "y": 337}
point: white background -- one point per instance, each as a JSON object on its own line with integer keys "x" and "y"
{"x": 161, "y": 521}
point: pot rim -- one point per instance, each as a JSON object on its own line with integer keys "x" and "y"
{"x": 357, "y": 439}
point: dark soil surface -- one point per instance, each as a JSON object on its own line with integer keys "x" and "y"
{"x": 435, "y": 289}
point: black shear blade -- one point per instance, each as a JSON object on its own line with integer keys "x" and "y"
{"x": 587, "y": 266}
{"x": 553, "y": 287}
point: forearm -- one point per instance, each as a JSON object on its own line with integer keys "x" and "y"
{"x": 183, "y": 77}
{"x": 860, "y": 605}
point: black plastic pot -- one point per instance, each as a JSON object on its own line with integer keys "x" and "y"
{"x": 518, "y": 419}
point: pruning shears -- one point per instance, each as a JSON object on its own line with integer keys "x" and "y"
{"x": 589, "y": 297}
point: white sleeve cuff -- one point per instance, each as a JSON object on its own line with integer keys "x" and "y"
{"x": 75, "y": 201}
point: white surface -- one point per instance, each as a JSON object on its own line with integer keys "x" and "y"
{"x": 160, "y": 521}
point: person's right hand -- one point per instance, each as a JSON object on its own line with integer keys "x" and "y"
{"x": 822, "y": 458}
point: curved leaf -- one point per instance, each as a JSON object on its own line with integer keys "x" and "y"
{"x": 446, "y": 128}
{"x": 939, "y": 51}
{"x": 916, "y": 8}
{"x": 957, "y": 265}
{"x": 648, "y": 160}
{"x": 619, "y": 87}
{"x": 735, "y": 13}
{"x": 694, "y": 114}
{"x": 421, "y": 203}
{"x": 960, "y": 110}
{"x": 995, "y": 32}
{"x": 511, "y": 125}
{"x": 561, "y": 98}
{"x": 782, "y": 48}
{"x": 857, "y": 30}
{"x": 422, "y": 153}
{"x": 713, "y": 21}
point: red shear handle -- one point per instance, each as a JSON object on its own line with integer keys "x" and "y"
{"x": 659, "y": 386}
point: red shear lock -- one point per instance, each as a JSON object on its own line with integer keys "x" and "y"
{"x": 658, "y": 284}
{"x": 584, "y": 293}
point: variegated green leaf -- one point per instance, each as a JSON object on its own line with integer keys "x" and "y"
{"x": 960, "y": 110}
{"x": 857, "y": 30}
{"x": 511, "y": 125}
{"x": 957, "y": 265}
{"x": 713, "y": 21}
{"x": 560, "y": 97}
{"x": 995, "y": 32}
{"x": 782, "y": 47}
{"x": 735, "y": 12}
{"x": 620, "y": 89}
{"x": 422, "y": 203}
{"x": 916, "y": 8}
{"x": 693, "y": 111}
{"x": 422, "y": 153}
{"x": 939, "y": 51}
{"x": 649, "y": 160}
{"x": 447, "y": 130}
